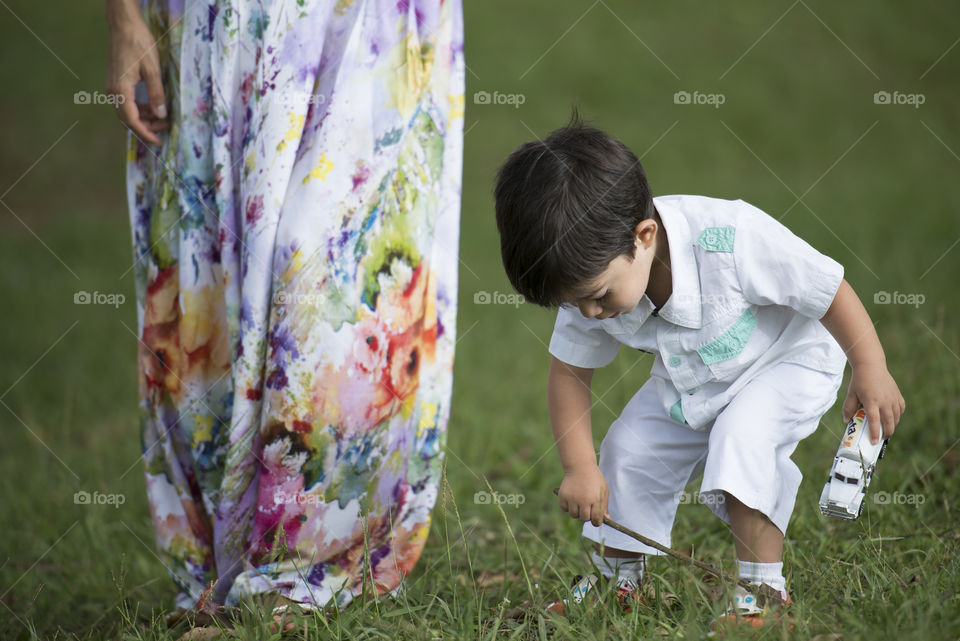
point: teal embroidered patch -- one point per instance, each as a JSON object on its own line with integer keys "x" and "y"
{"x": 731, "y": 342}
{"x": 676, "y": 413}
{"x": 717, "y": 239}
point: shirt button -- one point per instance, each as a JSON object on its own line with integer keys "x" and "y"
{"x": 674, "y": 361}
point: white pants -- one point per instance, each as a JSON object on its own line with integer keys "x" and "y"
{"x": 648, "y": 458}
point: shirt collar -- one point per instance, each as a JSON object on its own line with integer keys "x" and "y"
{"x": 683, "y": 306}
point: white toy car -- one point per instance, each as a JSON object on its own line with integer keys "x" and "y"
{"x": 853, "y": 466}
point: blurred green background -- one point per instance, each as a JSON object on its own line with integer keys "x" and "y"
{"x": 799, "y": 134}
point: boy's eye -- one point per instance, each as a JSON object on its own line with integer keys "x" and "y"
{"x": 603, "y": 296}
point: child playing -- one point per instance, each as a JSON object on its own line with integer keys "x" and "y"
{"x": 750, "y": 327}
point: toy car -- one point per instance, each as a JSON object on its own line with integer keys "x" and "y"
{"x": 853, "y": 466}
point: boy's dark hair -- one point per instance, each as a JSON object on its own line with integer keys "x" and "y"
{"x": 566, "y": 207}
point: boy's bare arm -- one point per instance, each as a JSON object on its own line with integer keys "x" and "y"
{"x": 583, "y": 492}
{"x": 871, "y": 385}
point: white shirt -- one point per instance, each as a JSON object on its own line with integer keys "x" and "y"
{"x": 747, "y": 293}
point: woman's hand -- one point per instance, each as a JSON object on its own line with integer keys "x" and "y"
{"x": 872, "y": 386}
{"x": 133, "y": 57}
{"x": 584, "y": 493}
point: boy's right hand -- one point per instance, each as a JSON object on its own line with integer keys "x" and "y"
{"x": 584, "y": 493}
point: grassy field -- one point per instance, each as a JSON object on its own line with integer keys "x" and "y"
{"x": 799, "y": 133}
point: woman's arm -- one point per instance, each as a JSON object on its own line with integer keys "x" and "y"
{"x": 583, "y": 492}
{"x": 871, "y": 385}
{"x": 133, "y": 57}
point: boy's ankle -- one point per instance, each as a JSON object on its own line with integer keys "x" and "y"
{"x": 769, "y": 573}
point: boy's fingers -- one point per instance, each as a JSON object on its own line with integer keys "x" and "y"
{"x": 850, "y": 407}
{"x": 889, "y": 422}
{"x": 873, "y": 420}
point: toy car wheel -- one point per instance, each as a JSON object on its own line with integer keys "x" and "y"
{"x": 860, "y": 510}
{"x": 883, "y": 448}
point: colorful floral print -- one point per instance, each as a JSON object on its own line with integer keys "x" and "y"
{"x": 295, "y": 245}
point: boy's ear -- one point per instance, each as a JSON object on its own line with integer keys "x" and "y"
{"x": 645, "y": 232}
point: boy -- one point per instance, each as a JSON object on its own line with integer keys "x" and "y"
{"x": 750, "y": 327}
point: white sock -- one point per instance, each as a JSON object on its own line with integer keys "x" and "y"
{"x": 628, "y": 570}
{"x": 769, "y": 573}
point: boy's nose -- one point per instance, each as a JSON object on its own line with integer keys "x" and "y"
{"x": 590, "y": 309}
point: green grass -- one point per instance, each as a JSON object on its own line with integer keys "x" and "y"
{"x": 796, "y": 106}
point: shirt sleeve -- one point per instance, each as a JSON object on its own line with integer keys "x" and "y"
{"x": 581, "y": 342}
{"x": 776, "y": 267}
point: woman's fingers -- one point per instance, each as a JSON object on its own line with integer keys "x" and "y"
{"x": 151, "y": 78}
{"x": 146, "y": 116}
{"x": 133, "y": 56}
{"x": 130, "y": 116}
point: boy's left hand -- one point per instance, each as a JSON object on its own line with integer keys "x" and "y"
{"x": 873, "y": 387}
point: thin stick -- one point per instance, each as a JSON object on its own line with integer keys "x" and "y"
{"x": 763, "y": 592}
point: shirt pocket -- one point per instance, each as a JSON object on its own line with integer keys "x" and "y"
{"x": 734, "y": 342}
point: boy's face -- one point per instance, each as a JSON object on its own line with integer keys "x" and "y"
{"x": 621, "y": 287}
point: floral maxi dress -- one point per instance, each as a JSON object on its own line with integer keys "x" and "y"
{"x": 295, "y": 245}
